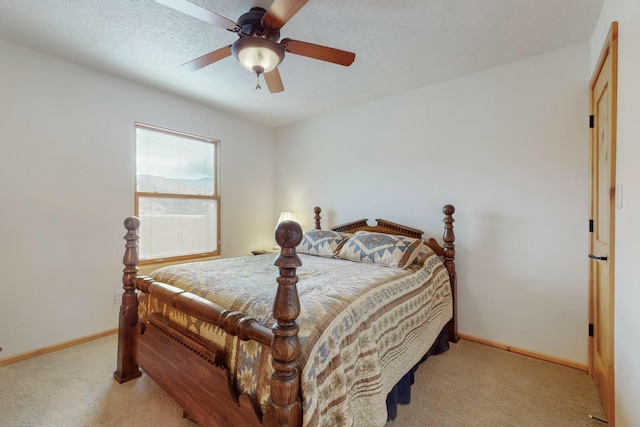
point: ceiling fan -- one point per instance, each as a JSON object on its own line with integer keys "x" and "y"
{"x": 257, "y": 47}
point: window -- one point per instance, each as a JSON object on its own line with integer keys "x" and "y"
{"x": 176, "y": 195}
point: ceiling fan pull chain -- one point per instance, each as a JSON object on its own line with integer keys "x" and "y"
{"x": 258, "y": 84}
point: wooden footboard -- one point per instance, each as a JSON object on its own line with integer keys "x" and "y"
{"x": 187, "y": 368}
{"x": 191, "y": 371}
{"x": 175, "y": 369}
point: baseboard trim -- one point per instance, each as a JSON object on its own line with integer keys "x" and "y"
{"x": 523, "y": 352}
{"x": 50, "y": 349}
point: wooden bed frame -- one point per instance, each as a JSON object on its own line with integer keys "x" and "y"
{"x": 192, "y": 372}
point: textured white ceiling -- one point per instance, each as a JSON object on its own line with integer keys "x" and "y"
{"x": 399, "y": 45}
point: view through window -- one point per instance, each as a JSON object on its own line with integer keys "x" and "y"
{"x": 176, "y": 194}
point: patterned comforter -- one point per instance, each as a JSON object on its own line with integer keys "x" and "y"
{"x": 362, "y": 326}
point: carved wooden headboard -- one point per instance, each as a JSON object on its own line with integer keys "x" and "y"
{"x": 386, "y": 227}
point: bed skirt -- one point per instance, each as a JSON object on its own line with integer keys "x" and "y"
{"x": 401, "y": 392}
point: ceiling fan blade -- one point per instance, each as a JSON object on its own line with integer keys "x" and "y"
{"x": 315, "y": 51}
{"x": 280, "y": 12}
{"x": 208, "y": 59}
{"x": 202, "y": 14}
{"x": 274, "y": 82}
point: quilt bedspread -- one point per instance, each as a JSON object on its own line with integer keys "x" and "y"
{"x": 362, "y": 327}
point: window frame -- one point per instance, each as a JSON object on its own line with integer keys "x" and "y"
{"x": 215, "y": 196}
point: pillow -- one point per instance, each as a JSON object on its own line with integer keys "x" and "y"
{"x": 322, "y": 242}
{"x": 379, "y": 248}
{"x": 424, "y": 253}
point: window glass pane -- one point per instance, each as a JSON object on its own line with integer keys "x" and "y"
{"x": 172, "y": 163}
{"x": 177, "y": 226}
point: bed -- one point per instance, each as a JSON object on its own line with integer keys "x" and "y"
{"x": 335, "y": 334}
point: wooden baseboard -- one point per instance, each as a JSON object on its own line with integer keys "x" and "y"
{"x": 533, "y": 354}
{"x": 50, "y": 349}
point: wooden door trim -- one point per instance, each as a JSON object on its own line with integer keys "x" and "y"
{"x": 610, "y": 47}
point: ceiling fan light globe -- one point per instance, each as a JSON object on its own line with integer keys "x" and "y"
{"x": 256, "y": 53}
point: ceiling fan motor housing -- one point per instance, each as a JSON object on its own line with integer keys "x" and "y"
{"x": 251, "y": 23}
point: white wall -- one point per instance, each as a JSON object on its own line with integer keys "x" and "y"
{"x": 627, "y": 299}
{"x": 509, "y": 148}
{"x": 66, "y": 185}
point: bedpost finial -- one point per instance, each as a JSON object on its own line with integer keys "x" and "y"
{"x": 448, "y": 209}
{"x": 316, "y": 217}
{"x": 288, "y": 234}
{"x": 132, "y": 223}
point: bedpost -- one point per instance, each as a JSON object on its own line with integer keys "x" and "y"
{"x": 449, "y": 262}
{"x": 316, "y": 217}
{"x": 127, "y": 367}
{"x": 284, "y": 407}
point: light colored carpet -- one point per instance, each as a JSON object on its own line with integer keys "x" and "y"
{"x": 470, "y": 385}
{"x": 476, "y": 385}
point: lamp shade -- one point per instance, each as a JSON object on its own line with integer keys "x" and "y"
{"x": 287, "y": 216}
{"x": 257, "y": 54}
